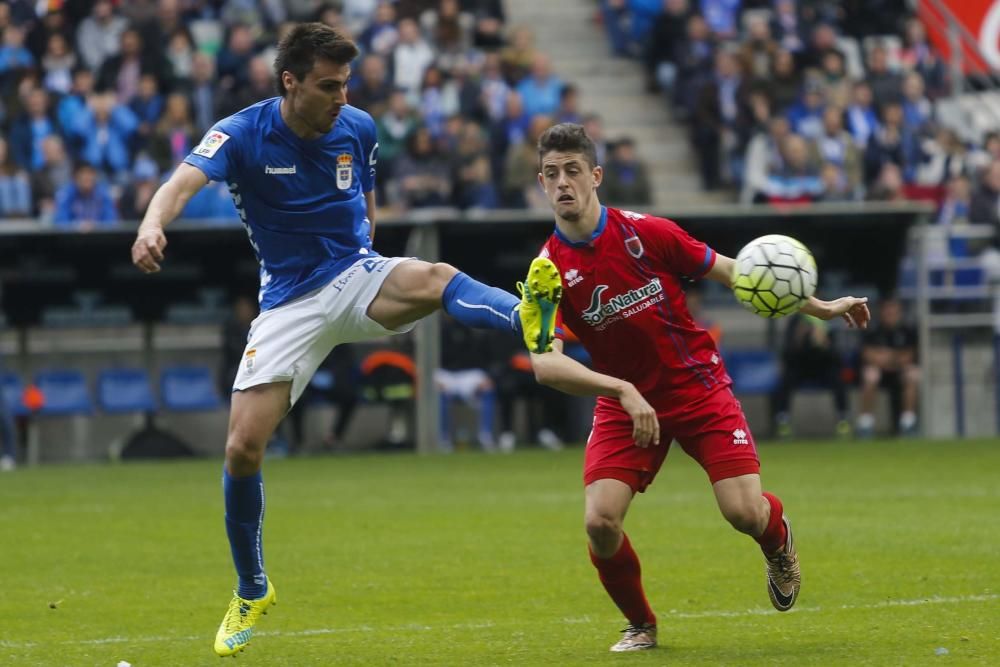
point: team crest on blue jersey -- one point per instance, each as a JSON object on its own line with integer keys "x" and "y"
{"x": 345, "y": 171}
{"x": 634, "y": 246}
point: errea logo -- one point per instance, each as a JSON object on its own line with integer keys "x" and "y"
{"x": 740, "y": 437}
{"x": 268, "y": 169}
{"x": 572, "y": 277}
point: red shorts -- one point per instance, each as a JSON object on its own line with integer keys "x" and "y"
{"x": 714, "y": 433}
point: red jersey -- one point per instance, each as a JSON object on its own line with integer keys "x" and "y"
{"x": 622, "y": 297}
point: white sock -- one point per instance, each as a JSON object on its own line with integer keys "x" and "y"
{"x": 907, "y": 420}
{"x": 866, "y": 420}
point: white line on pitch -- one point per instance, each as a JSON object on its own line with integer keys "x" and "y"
{"x": 759, "y": 611}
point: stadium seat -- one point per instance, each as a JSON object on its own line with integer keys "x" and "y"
{"x": 188, "y": 389}
{"x": 11, "y": 392}
{"x": 125, "y": 390}
{"x": 753, "y": 371}
{"x": 65, "y": 393}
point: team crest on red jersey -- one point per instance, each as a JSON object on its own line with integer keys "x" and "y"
{"x": 634, "y": 246}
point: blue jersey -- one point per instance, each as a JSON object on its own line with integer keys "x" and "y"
{"x": 302, "y": 201}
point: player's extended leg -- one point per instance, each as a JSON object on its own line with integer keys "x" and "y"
{"x": 760, "y": 515}
{"x": 254, "y": 415}
{"x": 607, "y": 501}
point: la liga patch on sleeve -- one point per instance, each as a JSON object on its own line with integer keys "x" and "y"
{"x": 212, "y": 142}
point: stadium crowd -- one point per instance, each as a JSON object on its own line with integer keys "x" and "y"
{"x": 807, "y": 100}
{"x": 100, "y": 99}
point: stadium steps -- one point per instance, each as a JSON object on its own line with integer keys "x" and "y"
{"x": 614, "y": 88}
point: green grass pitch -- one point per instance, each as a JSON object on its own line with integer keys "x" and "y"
{"x": 480, "y": 560}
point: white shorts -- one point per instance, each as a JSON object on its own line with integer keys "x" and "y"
{"x": 464, "y": 384}
{"x": 291, "y": 341}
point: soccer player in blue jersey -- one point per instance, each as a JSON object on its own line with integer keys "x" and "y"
{"x": 301, "y": 169}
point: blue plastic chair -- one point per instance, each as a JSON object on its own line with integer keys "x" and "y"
{"x": 65, "y": 391}
{"x": 11, "y": 393}
{"x": 125, "y": 390}
{"x": 753, "y": 371}
{"x": 188, "y": 389}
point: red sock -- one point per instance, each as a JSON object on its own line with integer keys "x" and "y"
{"x": 622, "y": 579}
{"x": 774, "y": 536}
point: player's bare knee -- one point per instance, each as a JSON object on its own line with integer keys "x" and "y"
{"x": 745, "y": 517}
{"x": 871, "y": 376}
{"x": 602, "y": 529}
{"x": 440, "y": 274}
{"x": 242, "y": 456}
{"x": 911, "y": 375}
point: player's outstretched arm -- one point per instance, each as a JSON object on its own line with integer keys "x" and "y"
{"x": 168, "y": 202}
{"x": 554, "y": 369}
{"x": 854, "y": 310}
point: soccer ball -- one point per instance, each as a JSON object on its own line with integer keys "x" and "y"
{"x": 774, "y": 275}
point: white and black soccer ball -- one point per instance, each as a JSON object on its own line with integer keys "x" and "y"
{"x": 774, "y": 275}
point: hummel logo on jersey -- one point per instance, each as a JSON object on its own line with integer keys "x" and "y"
{"x": 268, "y": 169}
{"x": 620, "y": 306}
{"x": 740, "y": 437}
{"x": 572, "y": 277}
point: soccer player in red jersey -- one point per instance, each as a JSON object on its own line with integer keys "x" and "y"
{"x": 659, "y": 377}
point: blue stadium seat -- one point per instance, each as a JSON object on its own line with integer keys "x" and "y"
{"x": 125, "y": 390}
{"x": 189, "y": 388}
{"x": 65, "y": 391}
{"x": 753, "y": 371}
{"x": 11, "y": 392}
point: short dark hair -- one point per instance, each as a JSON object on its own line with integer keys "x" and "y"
{"x": 298, "y": 51}
{"x": 567, "y": 138}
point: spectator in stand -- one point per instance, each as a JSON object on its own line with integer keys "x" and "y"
{"x": 759, "y": 49}
{"x": 837, "y": 148}
{"x": 411, "y": 57}
{"x": 121, "y": 73}
{"x": 917, "y": 109}
{"x": 260, "y": 86}
{"x": 233, "y": 61}
{"x": 30, "y": 129}
{"x": 660, "y": 53}
{"x": 373, "y": 87}
{"x": 985, "y": 204}
{"x": 822, "y": 41}
{"x": 174, "y": 134}
{"x": 721, "y": 108}
{"x": 202, "y": 91}
{"x": 493, "y": 89}
{"x": 508, "y": 132}
{"x": 395, "y": 127}
{"x": 593, "y": 125}
{"x": 695, "y": 59}
{"x": 797, "y": 179}
{"x": 763, "y": 158}
{"x": 14, "y": 56}
{"x": 438, "y": 100}
{"x": 450, "y": 30}
{"x": 886, "y": 85}
{"x": 889, "y": 360}
{"x": 422, "y": 173}
{"x": 889, "y": 185}
{"x": 136, "y": 196}
{"x": 787, "y": 28}
{"x": 956, "y": 209}
{"x": 626, "y": 179}
{"x": 540, "y": 90}
{"x": 521, "y": 169}
{"x": 722, "y": 17}
{"x": 474, "y": 186}
{"x": 945, "y": 157}
{"x": 894, "y": 142}
{"x": 615, "y": 17}
{"x": 519, "y": 55}
{"x": 147, "y": 107}
{"x": 381, "y": 35}
{"x": 107, "y": 129}
{"x": 488, "y": 15}
{"x": 809, "y": 354}
{"x": 99, "y": 35}
{"x": 569, "y": 105}
{"x": 919, "y": 56}
{"x": 58, "y": 63}
{"x": 73, "y": 104}
{"x": 15, "y": 186}
{"x": 56, "y": 172}
{"x": 862, "y": 120}
{"x": 39, "y": 35}
{"x": 85, "y": 203}
{"x": 835, "y": 184}
{"x": 785, "y": 82}
{"x": 835, "y": 81}
{"x": 180, "y": 54}
{"x": 806, "y": 116}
